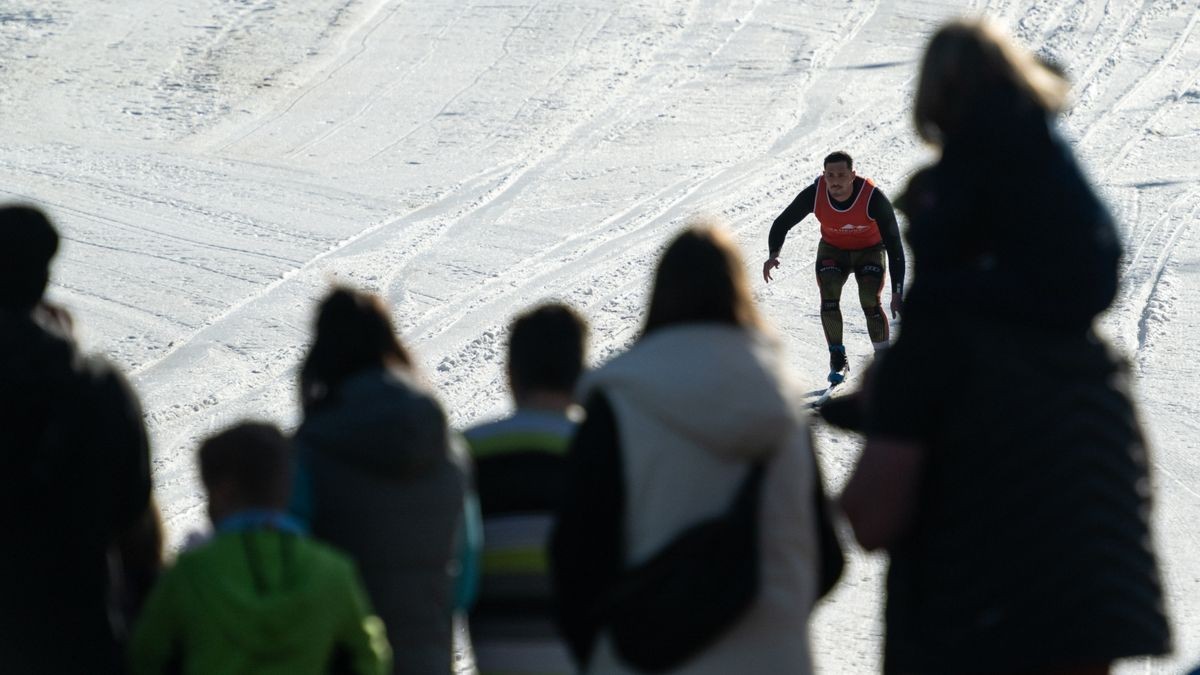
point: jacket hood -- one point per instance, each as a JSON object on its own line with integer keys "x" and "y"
{"x": 259, "y": 586}
{"x": 722, "y": 387}
{"x": 381, "y": 419}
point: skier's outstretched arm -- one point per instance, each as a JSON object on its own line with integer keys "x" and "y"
{"x": 881, "y": 210}
{"x": 800, "y": 207}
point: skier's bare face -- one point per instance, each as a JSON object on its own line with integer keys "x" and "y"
{"x": 840, "y": 180}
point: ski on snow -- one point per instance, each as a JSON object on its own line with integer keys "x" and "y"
{"x": 824, "y": 396}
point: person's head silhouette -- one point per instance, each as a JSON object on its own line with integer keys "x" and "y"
{"x": 27, "y": 243}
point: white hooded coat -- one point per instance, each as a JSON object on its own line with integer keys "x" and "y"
{"x": 695, "y": 405}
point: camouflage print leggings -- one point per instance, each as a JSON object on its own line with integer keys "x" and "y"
{"x": 833, "y": 268}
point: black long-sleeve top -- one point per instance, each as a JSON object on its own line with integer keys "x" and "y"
{"x": 586, "y": 546}
{"x": 879, "y": 208}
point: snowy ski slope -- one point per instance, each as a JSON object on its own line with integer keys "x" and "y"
{"x": 215, "y": 164}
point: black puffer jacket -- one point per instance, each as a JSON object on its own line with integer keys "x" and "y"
{"x": 74, "y": 466}
{"x": 1031, "y": 544}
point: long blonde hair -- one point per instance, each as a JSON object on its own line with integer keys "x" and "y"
{"x": 971, "y": 63}
{"x": 701, "y": 278}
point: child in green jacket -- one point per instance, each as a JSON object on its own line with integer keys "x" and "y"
{"x": 260, "y": 597}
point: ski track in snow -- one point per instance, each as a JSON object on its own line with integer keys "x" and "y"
{"x": 216, "y": 165}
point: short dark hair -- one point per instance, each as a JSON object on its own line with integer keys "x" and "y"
{"x": 256, "y": 457}
{"x": 27, "y": 243}
{"x": 839, "y": 156}
{"x": 546, "y": 347}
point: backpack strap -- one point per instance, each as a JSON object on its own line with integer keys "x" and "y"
{"x": 832, "y": 560}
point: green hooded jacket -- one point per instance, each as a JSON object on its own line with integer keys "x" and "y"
{"x": 262, "y": 602}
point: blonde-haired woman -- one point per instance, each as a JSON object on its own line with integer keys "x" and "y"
{"x": 673, "y": 429}
{"x": 1012, "y": 500}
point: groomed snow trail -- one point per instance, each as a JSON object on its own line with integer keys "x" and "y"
{"x": 216, "y": 164}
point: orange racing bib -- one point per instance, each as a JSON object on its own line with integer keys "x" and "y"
{"x": 852, "y": 228}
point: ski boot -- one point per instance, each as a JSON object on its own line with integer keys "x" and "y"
{"x": 838, "y": 366}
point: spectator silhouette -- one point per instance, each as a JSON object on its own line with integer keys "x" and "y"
{"x": 382, "y": 478}
{"x": 672, "y": 429}
{"x": 1013, "y": 500}
{"x": 81, "y": 532}
{"x": 260, "y": 596}
{"x": 519, "y": 472}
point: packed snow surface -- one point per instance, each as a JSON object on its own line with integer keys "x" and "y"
{"x": 216, "y": 164}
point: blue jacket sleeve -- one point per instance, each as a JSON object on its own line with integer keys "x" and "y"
{"x": 301, "y": 504}
{"x": 469, "y": 547}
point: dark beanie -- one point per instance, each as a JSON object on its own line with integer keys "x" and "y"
{"x": 27, "y": 243}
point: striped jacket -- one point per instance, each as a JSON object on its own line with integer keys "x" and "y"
{"x": 519, "y": 465}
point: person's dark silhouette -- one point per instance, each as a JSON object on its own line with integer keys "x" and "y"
{"x": 1013, "y": 501}
{"x": 74, "y": 476}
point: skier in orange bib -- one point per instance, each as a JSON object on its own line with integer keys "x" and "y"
{"x": 857, "y": 225}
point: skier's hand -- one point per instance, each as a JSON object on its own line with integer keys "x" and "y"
{"x": 768, "y": 266}
{"x": 897, "y": 304}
